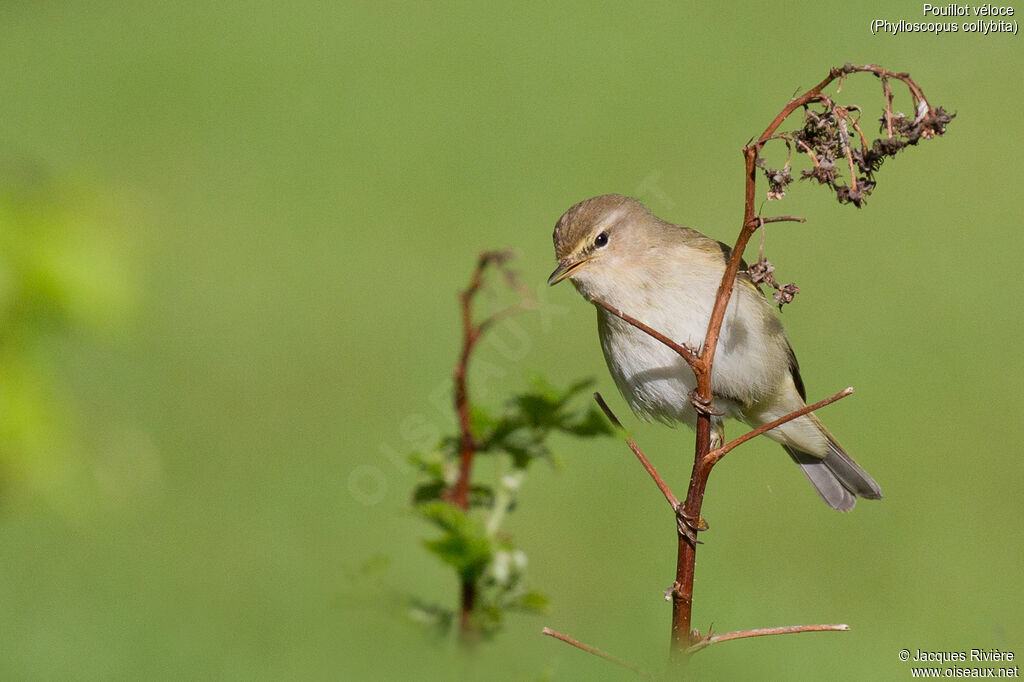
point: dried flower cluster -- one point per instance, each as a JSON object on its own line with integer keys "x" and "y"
{"x": 763, "y": 272}
{"x": 835, "y": 143}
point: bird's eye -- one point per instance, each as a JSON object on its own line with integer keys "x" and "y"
{"x": 601, "y": 240}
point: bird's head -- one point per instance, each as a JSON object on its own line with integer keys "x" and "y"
{"x": 597, "y": 238}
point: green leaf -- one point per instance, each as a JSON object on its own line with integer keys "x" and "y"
{"x": 430, "y": 463}
{"x": 543, "y": 387}
{"x": 481, "y": 495}
{"x": 428, "y": 492}
{"x": 546, "y": 388}
{"x": 524, "y": 449}
{"x": 444, "y": 515}
{"x": 593, "y": 423}
{"x": 537, "y": 410}
{"x": 450, "y": 446}
{"x": 578, "y": 387}
{"x": 481, "y": 422}
{"x": 488, "y": 618}
{"x": 501, "y": 430}
{"x": 464, "y": 543}
{"x": 543, "y": 407}
{"x": 532, "y": 601}
{"x": 466, "y": 554}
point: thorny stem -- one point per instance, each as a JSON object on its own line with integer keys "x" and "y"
{"x": 682, "y": 593}
{"x": 471, "y": 332}
{"x": 701, "y": 363}
{"x": 458, "y": 494}
{"x": 684, "y": 640}
{"x": 688, "y": 513}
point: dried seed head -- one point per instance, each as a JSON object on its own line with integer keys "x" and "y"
{"x": 785, "y": 294}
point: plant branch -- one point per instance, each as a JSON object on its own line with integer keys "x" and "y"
{"x": 658, "y": 480}
{"x": 814, "y": 94}
{"x": 682, "y": 591}
{"x": 458, "y": 494}
{"x": 712, "y": 457}
{"x": 591, "y": 650}
{"x": 855, "y": 122}
{"x": 710, "y": 639}
{"x": 887, "y": 89}
{"x": 691, "y": 358}
{"x": 684, "y": 639}
{"x": 759, "y": 221}
{"x": 471, "y": 333}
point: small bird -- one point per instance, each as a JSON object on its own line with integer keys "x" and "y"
{"x": 612, "y": 247}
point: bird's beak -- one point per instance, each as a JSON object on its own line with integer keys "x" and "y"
{"x": 563, "y": 270}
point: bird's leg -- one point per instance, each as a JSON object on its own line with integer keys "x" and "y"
{"x": 717, "y": 433}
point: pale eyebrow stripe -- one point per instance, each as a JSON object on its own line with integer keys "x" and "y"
{"x": 613, "y": 217}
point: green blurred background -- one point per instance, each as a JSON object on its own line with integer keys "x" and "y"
{"x": 233, "y": 238}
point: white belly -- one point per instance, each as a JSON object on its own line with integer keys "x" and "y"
{"x": 749, "y": 362}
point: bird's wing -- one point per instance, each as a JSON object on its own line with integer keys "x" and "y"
{"x": 794, "y": 369}
{"x": 742, "y": 276}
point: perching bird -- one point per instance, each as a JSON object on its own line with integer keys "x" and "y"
{"x": 612, "y": 247}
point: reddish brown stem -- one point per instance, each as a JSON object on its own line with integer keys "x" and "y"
{"x": 655, "y": 476}
{"x": 691, "y": 358}
{"x": 710, "y": 639}
{"x": 682, "y": 590}
{"x": 467, "y": 602}
{"x": 712, "y": 457}
{"x": 778, "y": 219}
{"x": 682, "y": 593}
{"x": 684, "y": 639}
{"x": 915, "y": 90}
{"x": 458, "y": 494}
{"x": 471, "y": 333}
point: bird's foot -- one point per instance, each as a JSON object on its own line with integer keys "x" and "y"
{"x": 703, "y": 406}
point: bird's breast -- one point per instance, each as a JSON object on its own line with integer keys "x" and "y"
{"x": 748, "y": 365}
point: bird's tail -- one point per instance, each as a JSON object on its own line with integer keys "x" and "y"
{"x": 837, "y": 478}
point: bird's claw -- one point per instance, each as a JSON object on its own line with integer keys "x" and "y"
{"x": 703, "y": 406}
